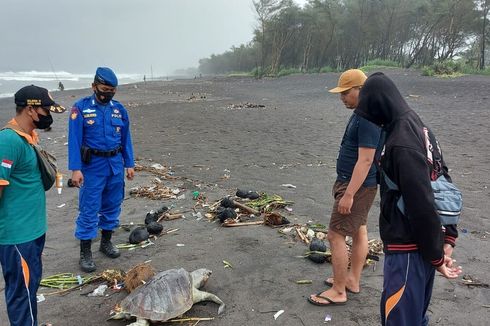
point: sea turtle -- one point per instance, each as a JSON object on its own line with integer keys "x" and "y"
{"x": 167, "y": 295}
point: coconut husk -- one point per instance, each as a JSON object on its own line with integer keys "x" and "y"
{"x": 137, "y": 276}
{"x": 274, "y": 218}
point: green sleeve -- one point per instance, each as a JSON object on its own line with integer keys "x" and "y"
{"x": 9, "y": 154}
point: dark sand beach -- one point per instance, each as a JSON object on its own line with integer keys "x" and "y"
{"x": 190, "y": 126}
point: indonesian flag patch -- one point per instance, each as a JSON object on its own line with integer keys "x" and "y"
{"x": 7, "y": 163}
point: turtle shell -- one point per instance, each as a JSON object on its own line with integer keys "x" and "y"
{"x": 167, "y": 295}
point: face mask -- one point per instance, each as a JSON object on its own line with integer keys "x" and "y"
{"x": 44, "y": 121}
{"x": 103, "y": 97}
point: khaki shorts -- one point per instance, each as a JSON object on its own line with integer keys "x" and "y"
{"x": 348, "y": 225}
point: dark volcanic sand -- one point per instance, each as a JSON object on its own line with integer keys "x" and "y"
{"x": 294, "y": 140}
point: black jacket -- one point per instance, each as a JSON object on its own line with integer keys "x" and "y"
{"x": 405, "y": 162}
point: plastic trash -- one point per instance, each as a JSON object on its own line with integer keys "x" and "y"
{"x": 98, "y": 292}
{"x": 277, "y": 314}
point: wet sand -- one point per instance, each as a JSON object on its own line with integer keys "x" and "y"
{"x": 189, "y": 125}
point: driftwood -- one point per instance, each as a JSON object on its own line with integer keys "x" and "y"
{"x": 243, "y": 223}
{"x": 246, "y": 208}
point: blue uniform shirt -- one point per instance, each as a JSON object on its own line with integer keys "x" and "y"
{"x": 101, "y": 127}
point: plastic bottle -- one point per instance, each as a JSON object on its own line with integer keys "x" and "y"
{"x": 59, "y": 182}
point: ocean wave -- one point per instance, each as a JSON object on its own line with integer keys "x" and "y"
{"x": 54, "y": 76}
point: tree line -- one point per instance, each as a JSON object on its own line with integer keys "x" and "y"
{"x": 340, "y": 34}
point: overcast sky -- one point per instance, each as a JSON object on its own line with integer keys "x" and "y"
{"x": 129, "y": 35}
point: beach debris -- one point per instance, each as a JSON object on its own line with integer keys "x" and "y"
{"x": 250, "y": 194}
{"x": 99, "y": 291}
{"x": 40, "y": 298}
{"x": 269, "y": 202}
{"x": 328, "y": 318}
{"x": 156, "y": 169}
{"x": 180, "y": 245}
{"x": 66, "y": 280}
{"x": 131, "y": 246}
{"x": 112, "y": 275}
{"x": 301, "y": 235}
{"x": 274, "y": 218}
{"x": 227, "y": 203}
{"x": 317, "y": 245}
{"x": 277, "y": 314}
{"x": 227, "y": 264}
{"x": 288, "y": 185}
{"x": 138, "y": 235}
{"x": 233, "y": 223}
{"x": 166, "y": 295}
{"x": 61, "y": 205}
{"x": 157, "y": 191}
{"x": 304, "y": 282}
{"x": 245, "y": 105}
{"x": 224, "y": 214}
{"x": 138, "y": 275}
{"x": 472, "y": 281}
{"x": 154, "y": 228}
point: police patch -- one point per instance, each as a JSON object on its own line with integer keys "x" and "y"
{"x": 90, "y": 115}
{"x": 90, "y": 122}
{"x": 116, "y": 111}
{"x": 74, "y": 113}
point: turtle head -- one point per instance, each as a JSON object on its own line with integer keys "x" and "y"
{"x": 200, "y": 277}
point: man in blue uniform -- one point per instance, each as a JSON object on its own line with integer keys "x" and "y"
{"x": 99, "y": 149}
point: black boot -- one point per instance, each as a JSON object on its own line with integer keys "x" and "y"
{"x": 86, "y": 263}
{"x": 106, "y": 246}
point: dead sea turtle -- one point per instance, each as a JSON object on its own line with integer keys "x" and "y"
{"x": 167, "y": 295}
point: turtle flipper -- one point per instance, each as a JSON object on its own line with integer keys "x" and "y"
{"x": 140, "y": 322}
{"x": 198, "y": 296}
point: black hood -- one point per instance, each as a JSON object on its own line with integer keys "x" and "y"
{"x": 380, "y": 101}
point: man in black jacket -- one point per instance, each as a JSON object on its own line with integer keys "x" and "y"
{"x": 415, "y": 243}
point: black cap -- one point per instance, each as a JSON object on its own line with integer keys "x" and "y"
{"x": 37, "y": 96}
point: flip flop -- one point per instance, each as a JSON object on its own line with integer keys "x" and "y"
{"x": 346, "y": 288}
{"x": 330, "y": 301}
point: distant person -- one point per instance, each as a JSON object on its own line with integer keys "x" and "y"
{"x": 144, "y": 78}
{"x": 23, "y": 222}
{"x": 417, "y": 245}
{"x": 99, "y": 149}
{"x": 354, "y": 192}
{"x": 61, "y": 87}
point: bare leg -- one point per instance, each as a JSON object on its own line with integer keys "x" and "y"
{"x": 358, "y": 258}
{"x": 340, "y": 262}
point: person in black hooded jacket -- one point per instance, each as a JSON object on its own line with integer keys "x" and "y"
{"x": 417, "y": 245}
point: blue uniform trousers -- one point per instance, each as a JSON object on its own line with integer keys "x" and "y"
{"x": 22, "y": 270}
{"x": 99, "y": 204}
{"x": 407, "y": 289}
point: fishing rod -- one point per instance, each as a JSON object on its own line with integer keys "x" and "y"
{"x": 52, "y": 69}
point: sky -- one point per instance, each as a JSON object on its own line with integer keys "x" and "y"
{"x": 131, "y": 36}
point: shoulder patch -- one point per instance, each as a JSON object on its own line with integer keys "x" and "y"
{"x": 74, "y": 113}
{"x": 7, "y": 163}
